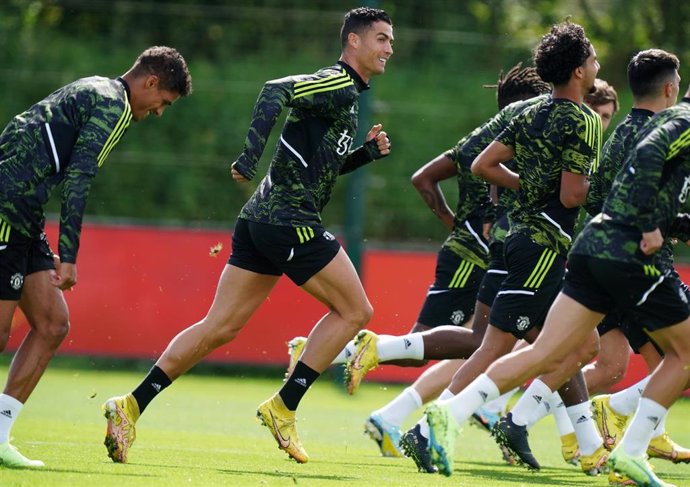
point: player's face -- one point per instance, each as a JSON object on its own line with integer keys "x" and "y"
{"x": 149, "y": 99}
{"x": 590, "y": 70}
{"x": 605, "y": 111}
{"x": 375, "y": 48}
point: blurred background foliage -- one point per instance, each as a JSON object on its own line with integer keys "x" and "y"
{"x": 175, "y": 170}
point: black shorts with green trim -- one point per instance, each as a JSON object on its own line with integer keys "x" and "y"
{"x": 535, "y": 276}
{"x": 20, "y": 256}
{"x": 653, "y": 299}
{"x": 494, "y": 276}
{"x": 616, "y": 320}
{"x": 298, "y": 252}
{"x": 450, "y": 299}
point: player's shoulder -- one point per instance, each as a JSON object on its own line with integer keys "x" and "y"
{"x": 519, "y": 107}
{"x": 98, "y": 86}
{"x": 92, "y": 93}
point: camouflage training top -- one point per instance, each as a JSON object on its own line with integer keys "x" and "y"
{"x": 479, "y": 139}
{"x": 466, "y": 238}
{"x": 313, "y": 149}
{"x": 618, "y": 145}
{"x": 63, "y": 138}
{"x": 548, "y": 138}
{"x": 648, "y": 191}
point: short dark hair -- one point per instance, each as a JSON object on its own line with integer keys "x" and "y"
{"x": 648, "y": 70}
{"x": 359, "y": 19}
{"x": 603, "y": 93}
{"x": 560, "y": 51}
{"x": 170, "y": 67}
{"x": 519, "y": 84}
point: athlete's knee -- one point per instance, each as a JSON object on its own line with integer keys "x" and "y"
{"x": 612, "y": 368}
{"x": 360, "y": 315}
{"x": 224, "y": 333}
{"x": 588, "y": 350}
{"x": 53, "y": 329}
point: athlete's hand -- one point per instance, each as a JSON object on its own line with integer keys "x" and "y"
{"x": 236, "y": 174}
{"x": 382, "y": 141}
{"x": 651, "y": 242}
{"x": 486, "y": 230}
{"x": 66, "y": 276}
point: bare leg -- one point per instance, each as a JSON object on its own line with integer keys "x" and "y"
{"x": 46, "y": 311}
{"x": 568, "y": 325}
{"x": 671, "y": 376}
{"x": 651, "y": 356}
{"x": 496, "y": 344}
{"x": 238, "y": 295}
{"x": 7, "y": 309}
{"x": 337, "y": 286}
{"x": 436, "y": 378}
{"x": 611, "y": 364}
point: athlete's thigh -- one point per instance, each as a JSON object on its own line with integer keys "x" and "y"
{"x": 42, "y": 302}
{"x": 673, "y": 339}
{"x": 239, "y": 293}
{"x": 613, "y": 347}
{"x": 568, "y": 325}
{"x": 7, "y": 309}
{"x": 337, "y": 285}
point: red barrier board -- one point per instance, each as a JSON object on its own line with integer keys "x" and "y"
{"x": 139, "y": 286}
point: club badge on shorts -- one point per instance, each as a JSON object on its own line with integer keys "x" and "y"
{"x": 17, "y": 281}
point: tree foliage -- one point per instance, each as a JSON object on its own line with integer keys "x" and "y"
{"x": 176, "y": 169}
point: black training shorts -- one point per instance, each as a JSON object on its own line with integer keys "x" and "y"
{"x": 535, "y": 276}
{"x": 20, "y": 256}
{"x": 298, "y": 252}
{"x": 450, "y": 299}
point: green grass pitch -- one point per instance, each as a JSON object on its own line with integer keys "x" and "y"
{"x": 202, "y": 432}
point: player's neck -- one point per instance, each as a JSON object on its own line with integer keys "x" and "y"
{"x": 653, "y": 105}
{"x": 571, "y": 91}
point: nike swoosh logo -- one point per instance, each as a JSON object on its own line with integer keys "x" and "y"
{"x": 608, "y": 438}
{"x": 355, "y": 363}
{"x": 3, "y": 247}
{"x": 283, "y": 442}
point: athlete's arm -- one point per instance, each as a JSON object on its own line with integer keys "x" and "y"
{"x": 426, "y": 180}
{"x": 574, "y": 189}
{"x": 97, "y": 137}
{"x": 488, "y": 166}
{"x": 580, "y": 154}
{"x": 651, "y": 155}
{"x": 376, "y": 145}
{"x": 324, "y": 90}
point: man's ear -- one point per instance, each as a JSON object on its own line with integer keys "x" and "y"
{"x": 151, "y": 81}
{"x": 579, "y": 72}
{"x": 353, "y": 39}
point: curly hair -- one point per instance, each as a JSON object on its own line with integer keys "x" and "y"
{"x": 649, "y": 70}
{"x": 359, "y": 19}
{"x": 170, "y": 67}
{"x": 518, "y": 84}
{"x": 561, "y": 51}
{"x": 603, "y": 93}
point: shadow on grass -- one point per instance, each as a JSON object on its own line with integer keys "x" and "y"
{"x": 91, "y": 473}
{"x": 288, "y": 475}
{"x": 546, "y": 476}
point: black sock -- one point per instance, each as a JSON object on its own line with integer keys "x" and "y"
{"x": 153, "y": 383}
{"x": 297, "y": 384}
